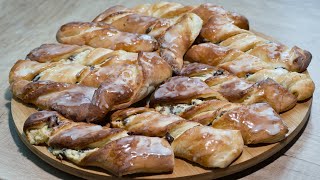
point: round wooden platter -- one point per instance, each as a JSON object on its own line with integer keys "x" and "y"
{"x": 295, "y": 120}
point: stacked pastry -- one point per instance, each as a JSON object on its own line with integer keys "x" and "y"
{"x": 93, "y": 145}
{"x": 174, "y": 36}
{"x": 206, "y": 113}
{"x": 85, "y": 83}
{"x": 204, "y": 145}
{"x": 194, "y": 100}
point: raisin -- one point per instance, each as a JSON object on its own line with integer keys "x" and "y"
{"x": 169, "y": 138}
{"x": 248, "y": 74}
{"x": 53, "y": 121}
{"x": 71, "y": 58}
{"x": 218, "y": 73}
{"x": 35, "y": 79}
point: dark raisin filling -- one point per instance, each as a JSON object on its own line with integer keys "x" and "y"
{"x": 53, "y": 121}
{"x": 35, "y": 79}
{"x": 280, "y": 68}
{"x": 71, "y": 58}
{"x": 149, "y": 30}
{"x": 248, "y": 74}
{"x": 169, "y": 138}
{"x": 218, "y": 73}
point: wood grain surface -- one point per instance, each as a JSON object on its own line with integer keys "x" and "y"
{"x": 26, "y": 24}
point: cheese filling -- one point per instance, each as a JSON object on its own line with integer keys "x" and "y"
{"x": 39, "y": 136}
{"x": 75, "y": 156}
{"x": 178, "y": 108}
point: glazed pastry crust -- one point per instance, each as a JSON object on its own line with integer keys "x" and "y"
{"x": 204, "y": 145}
{"x": 175, "y": 26}
{"x": 290, "y": 80}
{"x": 94, "y": 80}
{"x": 240, "y": 90}
{"x": 105, "y": 36}
{"x": 94, "y": 145}
{"x": 258, "y": 122}
{"x": 241, "y": 63}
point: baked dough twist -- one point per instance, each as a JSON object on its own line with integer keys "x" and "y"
{"x": 175, "y": 36}
{"x": 104, "y": 36}
{"x": 220, "y": 30}
{"x": 258, "y": 123}
{"x": 231, "y": 30}
{"x": 154, "y": 19}
{"x": 180, "y": 92}
{"x": 84, "y": 83}
{"x": 205, "y": 11}
{"x": 204, "y": 145}
{"x": 241, "y": 63}
{"x": 93, "y": 145}
{"x": 234, "y": 88}
{"x": 176, "y": 26}
{"x": 299, "y": 84}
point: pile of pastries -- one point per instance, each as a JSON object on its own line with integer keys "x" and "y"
{"x": 139, "y": 86}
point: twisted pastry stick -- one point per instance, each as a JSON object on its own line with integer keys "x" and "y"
{"x": 180, "y": 93}
{"x": 205, "y": 11}
{"x": 291, "y": 80}
{"x": 127, "y": 20}
{"x": 258, "y": 123}
{"x": 219, "y": 31}
{"x": 240, "y": 63}
{"x": 105, "y": 36}
{"x": 94, "y": 145}
{"x": 175, "y": 36}
{"x": 234, "y": 88}
{"x": 154, "y": 19}
{"x": 85, "y": 83}
{"x": 204, "y": 145}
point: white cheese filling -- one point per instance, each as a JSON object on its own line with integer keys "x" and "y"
{"x": 178, "y": 108}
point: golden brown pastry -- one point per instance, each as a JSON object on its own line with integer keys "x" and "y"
{"x": 153, "y": 19}
{"x": 85, "y": 83}
{"x": 177, "y": 39}
{"x": 94, "y": 145}
{"x": 204, "y": 145}
{"x": 299, "y": 84}
{"x": 105, "y": 36}
{"x": 181, "y": 89}
{"x": 205, "y": 11}
{"x": 221, "y": 30}
{"x": 238, "y": 62}
{"x": 175, "y": 36}
{"x": 127, "y": 20}
{"x": 223, "y": 27}
{"x": 239, "y": 90}
{"x": 180, "y": 92}
{"x": 174, "y": 25}
{"x": 234, "y": 88}
{"x": 258, "y": 122}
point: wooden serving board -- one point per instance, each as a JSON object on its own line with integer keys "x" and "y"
{"x": 295, "y": 120}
